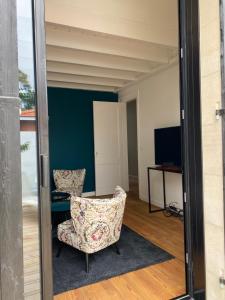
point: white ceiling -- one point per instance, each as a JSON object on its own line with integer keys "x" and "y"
{"x": 105, "y": 44}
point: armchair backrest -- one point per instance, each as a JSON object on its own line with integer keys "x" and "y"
{"x": 98, "y": 222}
{"x": 69, "y": 180}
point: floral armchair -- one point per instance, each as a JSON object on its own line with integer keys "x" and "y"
{"x": 69, "y": 181}
{"x": 95, "y": 224}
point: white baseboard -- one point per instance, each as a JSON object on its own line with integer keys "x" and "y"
{"x": 157, "y": 204}
{"x": 143, "y": 198}
{"x": 88, "y": 194}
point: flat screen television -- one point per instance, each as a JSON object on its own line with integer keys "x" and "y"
{"x": 168, "y": 146}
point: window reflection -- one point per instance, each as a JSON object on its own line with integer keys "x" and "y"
{"x": 28, "y": 137}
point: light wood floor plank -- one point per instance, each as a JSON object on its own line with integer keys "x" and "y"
{"x": 31, "y": 253}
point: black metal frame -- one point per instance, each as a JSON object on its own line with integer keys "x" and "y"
{"x": 192, "y": 150}
{"x": 190, "y": 103}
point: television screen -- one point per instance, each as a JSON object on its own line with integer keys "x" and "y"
{"x": 168, "y": 146}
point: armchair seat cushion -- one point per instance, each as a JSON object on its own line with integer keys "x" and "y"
{"x": 66, "y": 233}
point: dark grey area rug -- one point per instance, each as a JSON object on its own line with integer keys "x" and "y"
{"x": 136, "y": 253}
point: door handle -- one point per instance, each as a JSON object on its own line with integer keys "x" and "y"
{"x": 44, "y": 171}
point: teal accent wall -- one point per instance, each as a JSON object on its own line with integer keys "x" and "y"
{"x": 71, "y": 133}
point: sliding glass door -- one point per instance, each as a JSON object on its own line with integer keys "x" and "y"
{"x": 29, "y": 150}
{"x": 34, "y": 148}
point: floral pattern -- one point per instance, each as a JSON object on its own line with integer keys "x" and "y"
{"x": 69, "y": 181}
{"x": 95, "y": 223}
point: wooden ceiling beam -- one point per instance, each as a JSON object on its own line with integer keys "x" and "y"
{"x": 85, "y": 79}
{"x": 68, "y": 37}
{"x": 76, "y": 69}
{"x": 87, "y": 58}
{"x": 71, "y": 85}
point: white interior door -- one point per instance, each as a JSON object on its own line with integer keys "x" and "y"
{"x": 109, "y": 143}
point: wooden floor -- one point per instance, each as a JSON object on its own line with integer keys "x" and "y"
{"x": 31, "y": 253}
{"x": 159, "y": 282}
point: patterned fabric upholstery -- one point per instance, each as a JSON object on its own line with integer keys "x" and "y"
{"x": 69, "y": 181}
{"x": 95, "y": 223}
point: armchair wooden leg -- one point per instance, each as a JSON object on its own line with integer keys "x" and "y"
{"x": 87, "y": 262}
{"x": 59, "y": 249}
{"x": 117, "y": 248}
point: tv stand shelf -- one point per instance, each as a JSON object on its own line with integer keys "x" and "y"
{"x": 163, "y": 169}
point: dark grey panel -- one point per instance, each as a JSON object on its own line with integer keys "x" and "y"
{"x": 11, "y": 251}
{"x": 8, "y": 49}
{"x": 10, "y": 198}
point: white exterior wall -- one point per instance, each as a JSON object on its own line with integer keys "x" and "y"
{"x": 212, "y": 146}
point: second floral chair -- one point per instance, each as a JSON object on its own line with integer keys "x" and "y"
{"x": 69, "y": 181}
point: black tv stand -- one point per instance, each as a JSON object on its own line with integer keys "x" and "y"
{"x": 163, "y": 169}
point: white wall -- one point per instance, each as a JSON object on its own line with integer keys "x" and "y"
{"x": 157, "y": 106}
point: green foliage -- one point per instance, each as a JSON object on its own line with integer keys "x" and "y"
{"x": 24, "y": 147}
{"x": 27, "y": 95}
{"x": 23, "y": 78}
{"x": 27, "y": 98}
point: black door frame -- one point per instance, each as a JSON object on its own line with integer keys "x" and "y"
{"x": 190, "y": 84}
{"x": 191, "y": 124}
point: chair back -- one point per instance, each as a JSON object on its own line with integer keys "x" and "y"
{"x": 66, "y": 180}
{"x": 98, "y": 222}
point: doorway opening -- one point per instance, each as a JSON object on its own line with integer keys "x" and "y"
{"x": 91, "y": 129}
{"x": 66, "y": 76}
{"x": 132, "y": 146}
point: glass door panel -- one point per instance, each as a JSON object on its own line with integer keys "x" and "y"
{"x": 28, "y": 138}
